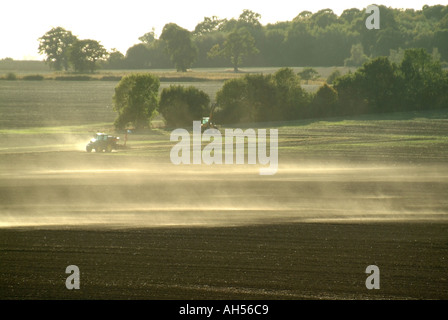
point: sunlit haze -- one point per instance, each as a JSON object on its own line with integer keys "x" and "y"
{"x": 118, "y": 24}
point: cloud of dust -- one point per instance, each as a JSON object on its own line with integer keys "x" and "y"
{"x": 139, "y": 194}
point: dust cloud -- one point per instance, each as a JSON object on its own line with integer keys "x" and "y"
{"x": 76, "y": 189}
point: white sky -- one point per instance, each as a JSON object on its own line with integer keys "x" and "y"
{"x": 119, "y": 23}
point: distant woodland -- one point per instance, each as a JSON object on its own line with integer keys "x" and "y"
{"x": 310, "y": 39}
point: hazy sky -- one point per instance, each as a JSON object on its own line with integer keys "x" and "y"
{"x": 119, "y": 23}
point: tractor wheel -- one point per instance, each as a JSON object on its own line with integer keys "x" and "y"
{"x": 89, "y": 149}
{"x": 109, "y": 148}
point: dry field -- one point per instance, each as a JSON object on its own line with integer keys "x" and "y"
{"x": 348, "y": 194}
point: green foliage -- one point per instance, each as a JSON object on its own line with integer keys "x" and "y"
{"x": 209, "y": 25}
{"x": 84, "y": 55}
{"x": 73, "y": 78}
{"x": 11, "y": 76}
{"x": 310, "y": 39}
{"x": 261, "y": 98}
{"x": 424, "y": 81}
{"x": 179, "y": 46}
{"x": 115, "y": 60}
{"x": 138, "y": 57}
{"x": 55, "y": 45}
{"x": 291, "y": 99}
{"x": 238, "y": 45}
{"x": 180, "y": 106}
{"x": 333, "y": 76}
{"x": 135, "y": 100}
{"x": 418, "y": 83}
{"x": 324, "y": 103}
{"x": 373, "y": 87}
{"x": 357, "y": 56}
{"x": 34, "y": 77}
{"x": 149, "y": 37}
{"x": 396, "y": 56}
{"x": 308, "y": 74}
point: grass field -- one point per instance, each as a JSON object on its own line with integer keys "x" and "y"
{"x": 349, "y": 192}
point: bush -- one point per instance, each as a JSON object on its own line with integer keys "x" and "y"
{"x": 180, "y": 106}
{"x": 111, "y": 78}
{"x": 73, "y": 78}
{"x": 11, "y": 76}
{"x": 35, "y": 77}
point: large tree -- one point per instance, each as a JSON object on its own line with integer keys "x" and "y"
{"x": 135, "y": 100}
{"x": 55, "y": 45}
{"x": 85, "y": 53}
{"x": 180, "y": 106}
{"x": 238, "y": 45}
{"x": 179, "y": 46}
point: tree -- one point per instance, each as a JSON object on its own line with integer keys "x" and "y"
{"x": 179, "y": 46}
{"x": 115, "y": 60}
{"x": 238, "y": 45}
{"x": 324, "y": 18}
{"x": 291, "y": 98}
{"x": 135, "y": 100}
{"x": 379, "y": 85}
{"x": 55, "y": 45}
{"x": 261, "y": 98}
{"x": 148, "y": 37}
{"x": 348, "y": 15}
{"x": 324, "y": 102}
{"x": 137, "y": 57}
{"x": 249, "y": 19}
{"x": 308, "y": 74}
{"x": 424, "y": 80}
{"x": 180, "y": 106}
{"x": 85, "y": 53}
{"x": 208, "y": 25}
{"x": 333, "y": 76}
{"x": 357, "y": 57}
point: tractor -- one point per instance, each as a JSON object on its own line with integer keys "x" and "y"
{"x": 103, "y": 142}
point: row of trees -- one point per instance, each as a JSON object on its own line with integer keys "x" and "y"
{"x": 136, "y": 100}
{"x": 417, "y": 83}
{"x": 63, "y": 51}
{"x": 319, "y": 39}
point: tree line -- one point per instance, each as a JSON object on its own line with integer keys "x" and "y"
{"x": 310, "y": 39}
{"x": 417, "y": 82}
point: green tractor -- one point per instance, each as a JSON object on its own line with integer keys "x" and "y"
{"x": 103, "y": 142}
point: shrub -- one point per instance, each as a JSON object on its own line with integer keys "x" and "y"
{"x": 73, "y": 78}
{"x": 35, "y": 77}
{"x": 111, "y": 78}
{"x": 11, "y": 76}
